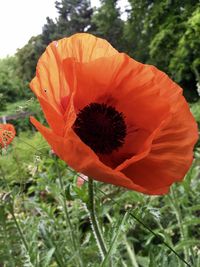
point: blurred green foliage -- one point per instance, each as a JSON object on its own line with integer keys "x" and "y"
{"x": 10, "y": 84}
{"x": 23, "y": 109}
{"x": 32, "y": 195}
{"x": 195, "y": 109}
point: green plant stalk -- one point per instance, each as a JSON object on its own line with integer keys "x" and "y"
{"x": 93, "y": 219}
{"x": 8, "y": 246}
{"x": 19, "y": 169}
{"x": 19, "y": 230}
{"x": 115, "y": 237}
{"x": 131, "y": 253}
{"x": 50, "y": 244}
{"x": 130, "y": 249}
{"x": 149, "y": 229}
{"x": 67, "y": 217}
{"x": 179, "y": 220}
{"x": 13, "y": 214}
{"x": 111, "y": 221}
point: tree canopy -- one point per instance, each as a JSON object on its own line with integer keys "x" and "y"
{"x": 10, "y": 84}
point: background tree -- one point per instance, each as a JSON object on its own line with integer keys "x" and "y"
{"x": 27, "y": 58}
{"x": 10, "y": 84}
{"x": 108, "y": 23}
{"x": 154, "y": 31}
{"x": 135, "y": 33}
{"x": 49, "y": 31}
{"x": 74, "y": 16}
{"x": 185, "y": 64}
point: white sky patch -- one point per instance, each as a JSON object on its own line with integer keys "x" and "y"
{"x": 123, "y": 5}
{"x": 22, "y": 19}
{"x": 95, "y": 3}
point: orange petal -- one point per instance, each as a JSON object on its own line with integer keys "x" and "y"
{"x": 153, "y": 172}
{"x": 139, "y": 97}
{"x": 116, "y": 73}
{"x": 84, "y": 160}
{"x": 128, "y": 85}
{"x": 83, "y": 47}
{"x": 54, "y": 119}
{"x": 94, "y": 80}
{"x": 172, "y": 149}
{"x": 50, "y": 82}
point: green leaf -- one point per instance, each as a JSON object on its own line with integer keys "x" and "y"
{"x": 143, "y": 261}
{"x": 193, "y": 221}
{"x": 114, "y": 239}
{"x": 187, "y": 243}
{"x": 48, "y": 257}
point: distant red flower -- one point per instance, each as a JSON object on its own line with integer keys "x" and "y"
{"x": 7, "y": 133}
{"x": 112, "y": 118}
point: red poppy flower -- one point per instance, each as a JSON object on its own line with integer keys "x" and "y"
{"x": 112, "y": 118}
{"x": 7, "y": 133}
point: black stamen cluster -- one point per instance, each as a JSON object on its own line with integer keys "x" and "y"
{"x": 101, "y": 127}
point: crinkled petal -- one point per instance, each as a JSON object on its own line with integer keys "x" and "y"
{"x": 50, "y": 82}
{"x": 171, "y": 153}
{"x": 126, "y": 84}
{"x": 95, "y": 80}
{"x": 83, "y": 47}
{"x": 54, "y": 119}
{"x": 84, "y": 160}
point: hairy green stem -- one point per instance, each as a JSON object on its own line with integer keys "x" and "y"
{"x": 93, "y": 218}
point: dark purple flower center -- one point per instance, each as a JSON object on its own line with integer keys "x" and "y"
{"x": 101, "y": 127}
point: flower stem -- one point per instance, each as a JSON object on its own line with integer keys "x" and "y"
{"x": 93, "y": 218}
